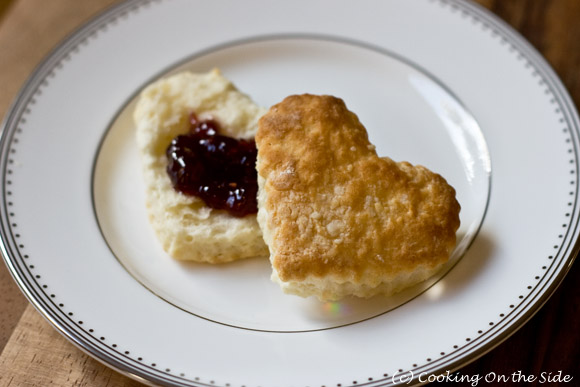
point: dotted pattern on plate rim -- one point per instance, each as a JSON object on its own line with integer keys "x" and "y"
{"x": 421, "y": 366}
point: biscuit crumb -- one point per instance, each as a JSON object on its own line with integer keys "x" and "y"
{"x": 334, "y": 227}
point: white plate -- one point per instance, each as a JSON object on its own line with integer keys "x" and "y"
{"x": 439, "y": 83}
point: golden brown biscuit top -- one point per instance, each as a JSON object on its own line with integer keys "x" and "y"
{"x": 335, "y": 208}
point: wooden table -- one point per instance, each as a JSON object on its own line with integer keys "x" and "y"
{"x": 34, "y": 354}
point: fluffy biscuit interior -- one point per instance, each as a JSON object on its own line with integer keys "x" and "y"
{"x": 186, "y": 227}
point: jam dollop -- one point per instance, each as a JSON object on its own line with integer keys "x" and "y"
{"x": 220, "y": 170}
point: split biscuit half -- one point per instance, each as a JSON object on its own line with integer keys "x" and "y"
{"x": 186, "y": 227}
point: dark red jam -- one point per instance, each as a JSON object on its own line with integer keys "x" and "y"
{"x": 218, "y": 169}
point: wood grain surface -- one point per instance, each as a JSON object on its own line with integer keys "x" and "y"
{"x": 35, "y": 354}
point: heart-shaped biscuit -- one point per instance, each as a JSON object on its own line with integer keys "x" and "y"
{"x": 338, "y": 219}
